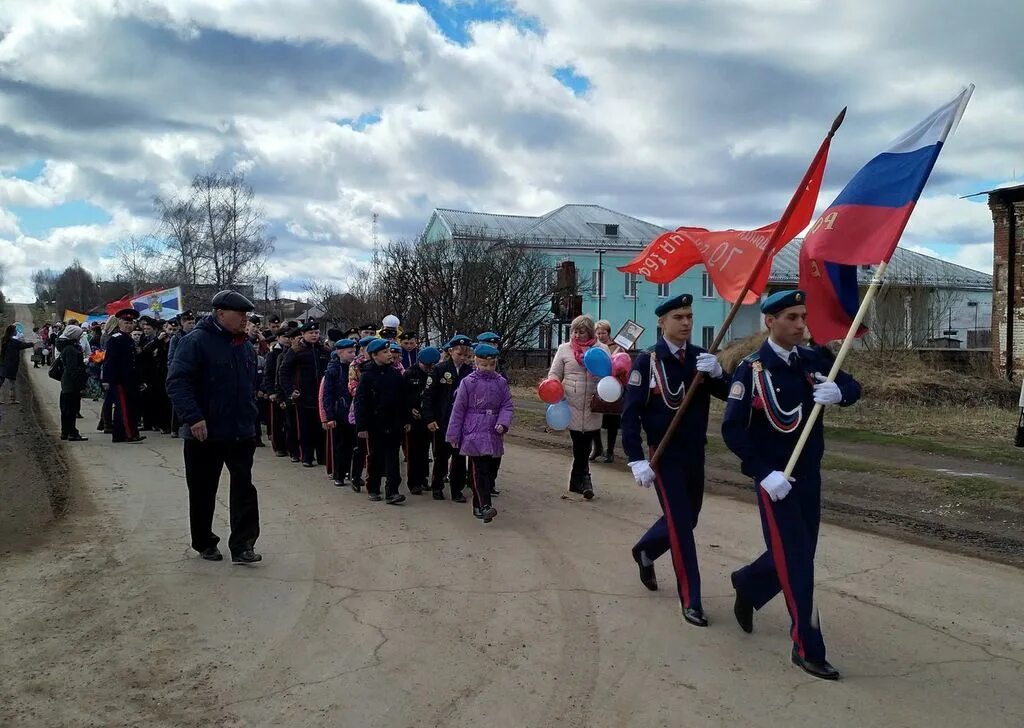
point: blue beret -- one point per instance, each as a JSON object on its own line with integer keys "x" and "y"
{"x": 395, "y": 346}
{"x": 377, "y": 345}
{"x": 460, "y": 340}
{"x": 488, "y": 337}
{"x": 486, "y": 351}
{"x": 345, "y": 344}
{"x": 365, "y": 341}
{"x": 684, "y": 300}
{"x": 430, "y": 355}
{"x": 783, "y": 299}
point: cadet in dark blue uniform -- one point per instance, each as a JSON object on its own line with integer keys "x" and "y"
{"x": 299, "y": 374}
{"x": 657, "y": 386}
{"x": 417, "y": 439}
{"x": 122, "y": 379}
{"x": 773, "y": 391}
{"x": 336, "y": 402}
{"x": 381, "y": 421}
{"x": 438, "y": 399}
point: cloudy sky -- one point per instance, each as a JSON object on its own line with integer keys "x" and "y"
{"x": 700, "y": 112}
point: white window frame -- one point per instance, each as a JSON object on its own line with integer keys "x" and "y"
{"x": 664, "y": 290}
{"x": 707, "y": 287}
{"x": 597, "y": 281}
{"x": 630, "y": 290}
{"x": 707, "y": 335}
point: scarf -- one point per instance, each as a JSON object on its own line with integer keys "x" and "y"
{"x": 580, "y": 348}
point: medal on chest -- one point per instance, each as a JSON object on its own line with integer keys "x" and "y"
{"x": 661, "y": 385}
{"x": 781, "y": 420}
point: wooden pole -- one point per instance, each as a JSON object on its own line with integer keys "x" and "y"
{"x": 765, "y": 256}
{"x": 876, "y": 283}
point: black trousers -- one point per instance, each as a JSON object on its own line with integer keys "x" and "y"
{"x": 69, "y": 405}
{"x": 383, "y": 450}
{"x": 417, "y": 456}
{"x": 447, "y": 461}
{"x": 481, "y": 479}
{"x": 277, "y": 416}
{"x": 358, "y": 460}
{"x": 581, "y": 444}
{"x": 311, "y": 435}
{"x": 124, "y": 416}
{"x": 342, "y": 440}
{"x": 291, "y": 431}
{"x": 203, "y": 464}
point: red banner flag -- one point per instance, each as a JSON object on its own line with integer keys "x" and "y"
{"x": 732, "y": 257}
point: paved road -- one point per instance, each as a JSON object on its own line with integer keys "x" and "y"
{"x": 368, "y": 615}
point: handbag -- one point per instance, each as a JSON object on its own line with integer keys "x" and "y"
{"x": 56, "y": 369}
{"x": 1018, "y": 440}
{"x": 600, "y": 407}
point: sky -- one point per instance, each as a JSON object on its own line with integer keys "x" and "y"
{"x": 699, "y": 112}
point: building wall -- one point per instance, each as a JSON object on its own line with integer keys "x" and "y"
{"x": 1007, "y": 304}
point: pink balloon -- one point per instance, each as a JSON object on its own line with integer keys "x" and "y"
{"x": 550, "y": 391}
{"x": 621, "y": 364}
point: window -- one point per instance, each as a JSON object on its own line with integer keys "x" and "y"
{"x": 597, "y": 283}
{"x": 707, "y": 287}
{"x": 631, "y": 280}
{"x": 611, "y": 230}
{"x": 663, "y": 290}
{"x": 707, "y": 337}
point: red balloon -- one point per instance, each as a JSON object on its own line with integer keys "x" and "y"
{"x": 621, "y": 364}
{"x": 550, "y": 391}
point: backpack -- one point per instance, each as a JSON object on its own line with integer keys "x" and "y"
{"x": 56, "y": 369}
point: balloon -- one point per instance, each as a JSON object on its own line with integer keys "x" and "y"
{"x": 621, "y": 364}
{"x": 551, "y": 391}
{"x": 559, "y": 416}
{"x": 597, "y": 362}
{"x": 609, "y": 389}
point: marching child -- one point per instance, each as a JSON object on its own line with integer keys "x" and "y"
{"x": 480, "y": 417}
{"x": 335, "y": 402}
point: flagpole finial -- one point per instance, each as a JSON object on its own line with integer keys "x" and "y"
{"x": 838, "y": 122}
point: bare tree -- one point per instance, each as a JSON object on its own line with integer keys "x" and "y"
{"x": 215, "y": 233}
{"x": 44, "y": 282}
{"x": 140, "y": 265}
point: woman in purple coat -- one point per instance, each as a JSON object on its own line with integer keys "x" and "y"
{"x": 481, "y": 416}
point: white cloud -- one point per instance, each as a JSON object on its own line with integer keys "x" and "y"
{"x": 699, "y": 113}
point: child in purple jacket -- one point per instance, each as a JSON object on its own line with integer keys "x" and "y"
{"x": 481, "y": 416}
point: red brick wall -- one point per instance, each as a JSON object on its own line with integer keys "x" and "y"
{"x": 1006, "y": 304}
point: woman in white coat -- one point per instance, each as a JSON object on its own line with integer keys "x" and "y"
{"x": 580, "y": 388}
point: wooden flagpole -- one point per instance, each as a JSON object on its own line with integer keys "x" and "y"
{"x": 698, "y": 379}
{"x": 869, "y": 296}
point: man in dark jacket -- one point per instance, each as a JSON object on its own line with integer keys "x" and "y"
{"x": 381, "y": 421}
{"x": 438, "y": 398}
{"x": 277, "y": 414}
{"x": 153, "y": 367}
{"x": 122, "y": 379}
{"x": 72, "y": 382}
{"x": 299, "y": 376}
{"x": 186, "y": 322}
{"x": 212, "y": 385}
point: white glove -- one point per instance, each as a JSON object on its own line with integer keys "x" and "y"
{"x": 776, "y": 485}
{"x": 826, "y": 392}
{"x": 643, "y": 473}
{"x": 708, "y": 363}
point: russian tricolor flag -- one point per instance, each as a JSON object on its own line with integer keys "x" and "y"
{"x": 864, "y": 224}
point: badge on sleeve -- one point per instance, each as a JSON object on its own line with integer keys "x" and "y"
{"x": 737, "y": 390}
{"x": 634, "y": 378}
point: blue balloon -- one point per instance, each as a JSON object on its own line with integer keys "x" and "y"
{"x": 558, "y": 416}
{"x": 598, "y": 362}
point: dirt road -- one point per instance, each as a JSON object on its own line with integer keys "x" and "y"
{"x": 368, "y": 615}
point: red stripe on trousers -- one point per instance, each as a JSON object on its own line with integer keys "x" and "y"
{"x": 779, "y": 557}
{"x": 298, "y": 432}
{"x": 673, "y": 540}
{"x": 129, "y": 429}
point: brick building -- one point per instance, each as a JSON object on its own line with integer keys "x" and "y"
{"x": 1007, "y": 206}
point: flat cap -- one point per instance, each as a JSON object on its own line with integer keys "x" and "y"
{"x": 428, "y": 356}
{"x": 232, "y": 301}
{"x": 781, "y": 300}
{"x": 683, "y": 300}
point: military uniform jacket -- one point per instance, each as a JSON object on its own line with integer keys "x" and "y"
{"x": 336, "y": 399}
{"x": 656, "y": 387}
{"x": 415, "y": 381}
{"x": 439, "y": 393}
{"x": 268, "y": 385}
{"x": 152, "y": 360}
{"x": 379, "y": 403}
{"x": 769, "y": 400}
{"x": 302, "y": 370}
{"x": 119, "y": 361}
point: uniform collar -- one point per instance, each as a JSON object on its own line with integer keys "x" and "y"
{"x": 780, "y": 352}
{"x": 667, "y": 347}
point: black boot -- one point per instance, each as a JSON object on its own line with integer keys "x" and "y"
{"x": 588, "y": 487}
{"x": 575, "y": 484}
{"x": 598, "y": 450}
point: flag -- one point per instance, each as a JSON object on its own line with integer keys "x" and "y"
{"x": 159, "y": 303}
{"x": 83, "y": 318}
{"x": 736, "y": 260}
{"x": 864, "y": 223}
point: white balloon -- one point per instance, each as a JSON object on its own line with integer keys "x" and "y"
{"x": 609, "y": 389}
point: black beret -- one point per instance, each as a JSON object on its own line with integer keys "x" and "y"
{"x": 334, "y": 334}
{"x": 275, "y": 319}
{"x": 186, "y": 316}
{"x": 782, "y": 300}
{"x": 292, "y": 324}
{"x": 352, "y": 334}
{"x": 232, "y": 301}
{"x": 368, "y": 327}
{"x": 683, "y": 300}
{"x": 406, "y": 335}
{"x": 254, "y": 319}
{"x": 309, "y": 326}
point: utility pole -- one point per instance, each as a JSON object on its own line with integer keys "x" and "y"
{"x": 600, "y": 281}
{"x": 373, "y": 229}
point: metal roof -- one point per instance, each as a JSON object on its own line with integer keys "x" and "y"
{"x": 582, "y": 226}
